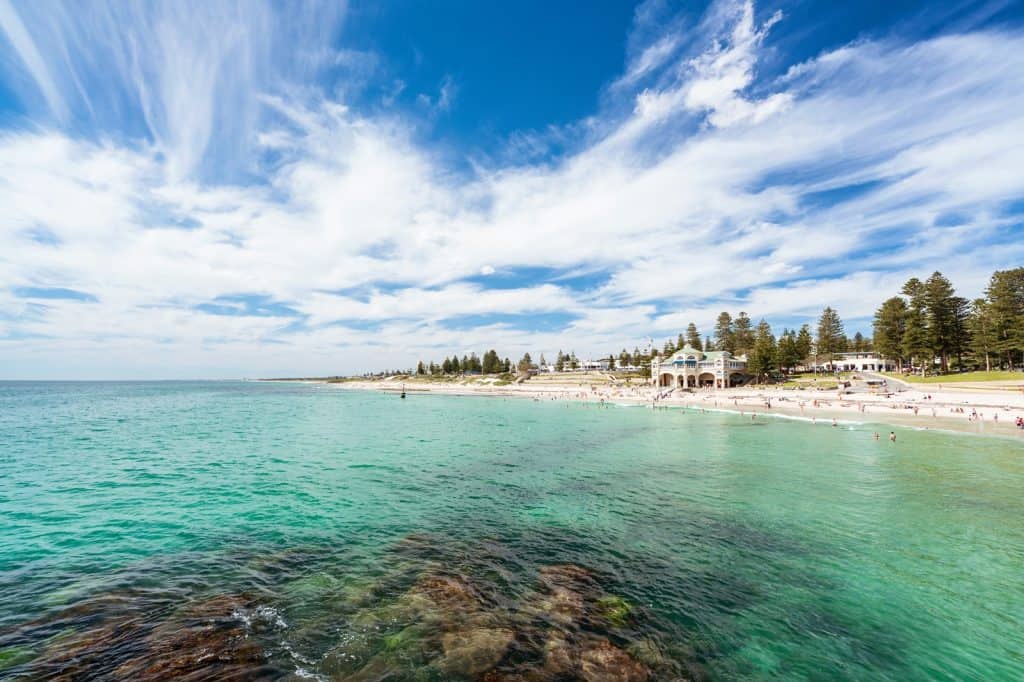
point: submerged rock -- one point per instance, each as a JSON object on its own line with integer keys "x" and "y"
{"x": 410, "y": 646}
{"x": 209, "y": 637}
{"x": 602, "y": 661}
{"x": 473, "y": 652}
{"x": 206, "y": 639}
{"x": 562, "y": 574}
{"x": 447, "y": 591}
{"x": 647, "y": 652}
{"x": 422, "y": 613}
{"x": 444, "y": 602}
{"x": 562, "y": 598}
{"x": 561, "y": 606}
{"x": 435, "y": 624}
{"x": 76, "y": 654}
{"x": 560, "y": 656}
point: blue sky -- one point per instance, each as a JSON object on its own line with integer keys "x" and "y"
{"x": 265, "y": 188}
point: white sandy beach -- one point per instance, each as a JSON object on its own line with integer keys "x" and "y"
{"x": 968, "y": 410}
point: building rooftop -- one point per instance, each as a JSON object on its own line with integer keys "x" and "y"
{"x": 687, "y": 352}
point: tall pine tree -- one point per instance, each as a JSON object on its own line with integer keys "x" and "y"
{"x": 724, "y": 333}
{"x": 693, "y": 337}
{"x": 889, "y": 327}
{"x": 762, "y": 354}
{"x": 940, "y": 317}
{"x": 984, "y": 337}
{"x": 804, "y": 343}
{"x": 743, "y": 334}
{"x": 831, "y": 339}
{"x": 916, "y": 341}
{"x": 1005, "y": 294}
{"x": 788, "y": 353}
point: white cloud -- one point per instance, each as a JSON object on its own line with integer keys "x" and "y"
{"x": 25, "y": 47}
{"x": 650, "y": 59}
{"x": 721, "y": 74}
{"x": 446, "y": 95}
{"x": 445, "y": 98}
{"x": 178, "y": 71}
{"x": 700, "y": 198}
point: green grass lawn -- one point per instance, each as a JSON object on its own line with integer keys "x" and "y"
{"x": 958, "y": 378}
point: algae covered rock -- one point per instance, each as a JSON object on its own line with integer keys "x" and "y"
{"x": 15, "y": 655}
{"x": 614, "y": 611}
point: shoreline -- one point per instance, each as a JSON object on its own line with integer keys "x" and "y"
{"x": 934, "y": 410}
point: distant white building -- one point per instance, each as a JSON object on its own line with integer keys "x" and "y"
{"x": 600, "y": 365}
{"x": 629, "y": 368}
{"x": 855, "y": 362}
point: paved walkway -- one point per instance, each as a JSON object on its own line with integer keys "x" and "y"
{"x": 897, "y": 384}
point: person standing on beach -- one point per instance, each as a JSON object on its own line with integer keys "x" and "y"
{"x": 892, "y": 436}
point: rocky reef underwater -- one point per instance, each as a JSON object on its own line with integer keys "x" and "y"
{"x": 421, "y": 610}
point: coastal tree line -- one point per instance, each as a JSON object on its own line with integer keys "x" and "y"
{"x": 490, "y": 363}
{"x": 926, "y": 326}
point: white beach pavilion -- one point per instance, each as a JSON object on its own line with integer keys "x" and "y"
{"x": 692, "y": 368}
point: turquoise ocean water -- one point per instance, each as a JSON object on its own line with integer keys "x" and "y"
{"x": 220, "y": 529}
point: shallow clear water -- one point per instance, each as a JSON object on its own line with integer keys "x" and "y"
{"x": 340, "y": 534}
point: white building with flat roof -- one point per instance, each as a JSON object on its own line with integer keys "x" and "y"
{"x": 863, "y": 361}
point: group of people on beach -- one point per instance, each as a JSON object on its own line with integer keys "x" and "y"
{"x": 754, "y": 401}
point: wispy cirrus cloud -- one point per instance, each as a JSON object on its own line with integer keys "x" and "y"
{"x": 184, "y": 75}
{"x": 700, "y": 185}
